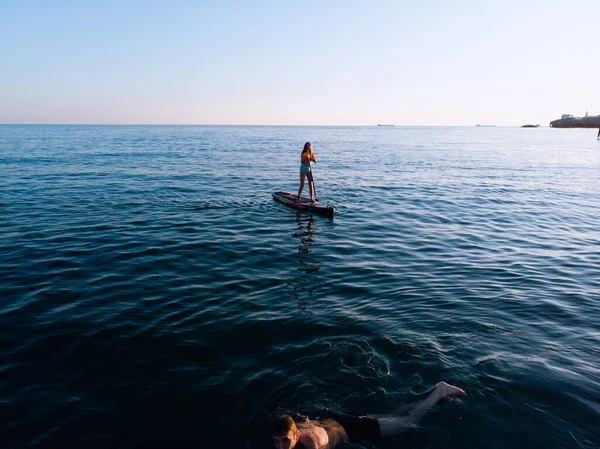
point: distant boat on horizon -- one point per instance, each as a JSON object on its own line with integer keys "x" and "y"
{"x": 383, "y": 124}
{"x": 486, "y": 125}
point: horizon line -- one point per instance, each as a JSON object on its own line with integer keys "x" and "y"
{"x": 263, "y": 124}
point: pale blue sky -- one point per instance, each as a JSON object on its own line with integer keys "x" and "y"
{"x": 431, "y": 62}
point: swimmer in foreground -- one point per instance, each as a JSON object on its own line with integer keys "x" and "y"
{"x": 329, "y": 433}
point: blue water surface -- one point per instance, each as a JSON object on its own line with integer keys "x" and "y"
{"x": 152, "y": 294}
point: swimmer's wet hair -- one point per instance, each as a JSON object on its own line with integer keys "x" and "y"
{"x": 283, "y": 424}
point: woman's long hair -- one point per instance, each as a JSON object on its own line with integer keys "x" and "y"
{"x": 308, "y": 149}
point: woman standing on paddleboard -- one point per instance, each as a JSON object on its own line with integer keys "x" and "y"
{"x": 306, "y": 171}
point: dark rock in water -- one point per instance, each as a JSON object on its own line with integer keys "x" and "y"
{"x": 530, "y": 126}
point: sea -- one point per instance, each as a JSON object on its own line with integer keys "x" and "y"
{"x": 153, "y": 295}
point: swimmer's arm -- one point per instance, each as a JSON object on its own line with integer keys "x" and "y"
{"x": 335, "y": 433}
{"x": 314, "y": 437}
{"x": 337, "y": 437}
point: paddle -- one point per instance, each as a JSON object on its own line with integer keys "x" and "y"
{"x": 313, "y": 186}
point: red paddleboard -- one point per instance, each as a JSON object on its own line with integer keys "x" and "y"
{"x": 303, "y": 204}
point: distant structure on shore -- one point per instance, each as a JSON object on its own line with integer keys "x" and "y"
{"x": 486, "y": 125}
{"x": 568, "y": 121}
{"x": 531, "y": 126}
{"x": 380, "y": 124}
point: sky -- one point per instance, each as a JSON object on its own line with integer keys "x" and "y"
{"x": 326, "y": 62}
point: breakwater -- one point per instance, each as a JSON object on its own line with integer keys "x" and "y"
{"x": 568, "y": 121}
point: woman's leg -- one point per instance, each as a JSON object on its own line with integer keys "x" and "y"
{"x": 302, "y": 175}
{"x": 310, "y": 185}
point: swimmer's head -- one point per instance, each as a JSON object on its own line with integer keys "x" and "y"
{"x": 285, "y": 433}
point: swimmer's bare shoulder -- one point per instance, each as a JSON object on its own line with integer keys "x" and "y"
{"x": 325, "y": 434}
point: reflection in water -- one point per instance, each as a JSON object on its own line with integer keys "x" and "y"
{"x": 306, "y": 227}
{"x": 305, "y": 233}
{"x": 303, "y": 286}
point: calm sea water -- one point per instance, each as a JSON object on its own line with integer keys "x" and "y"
{"x": 154, "y": 295}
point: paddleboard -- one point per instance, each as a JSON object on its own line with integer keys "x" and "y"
{"x": 303, "y": 204}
